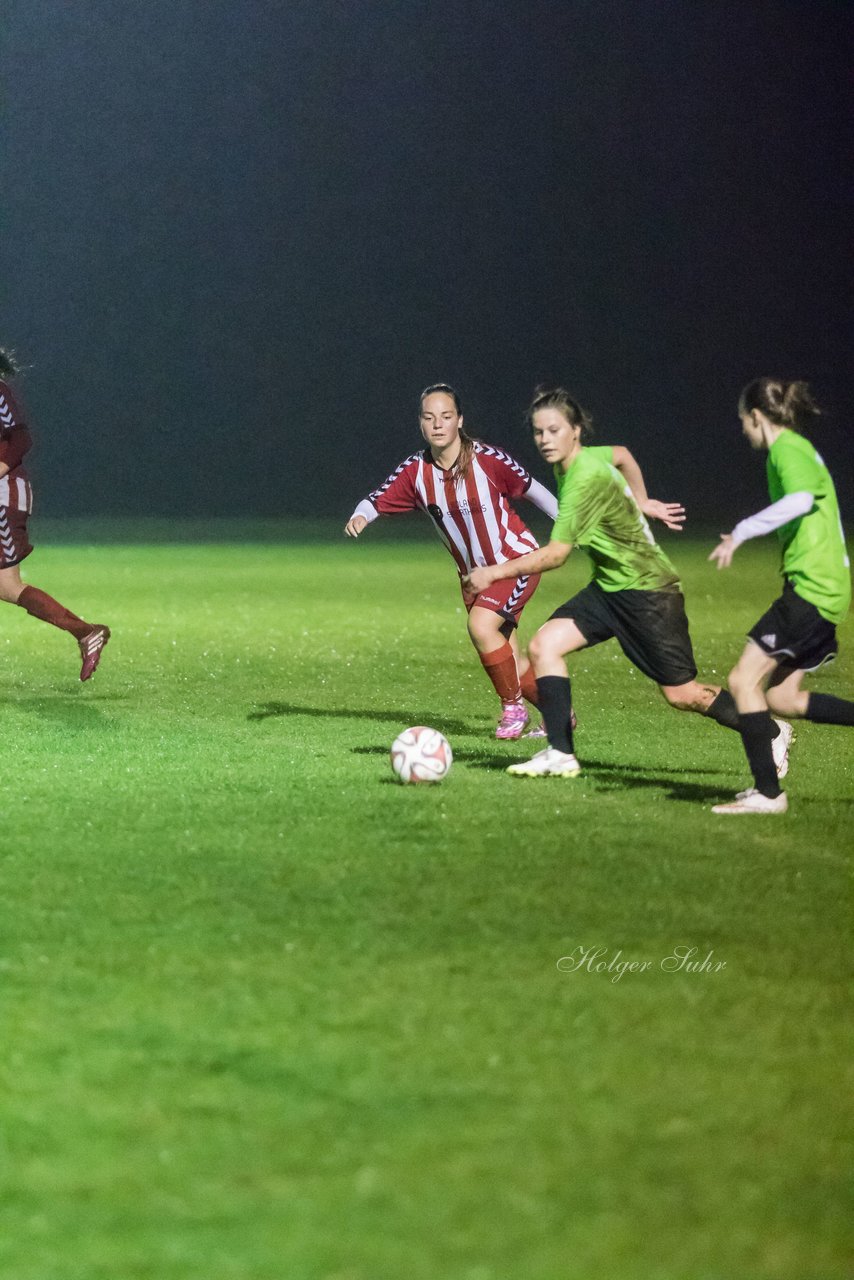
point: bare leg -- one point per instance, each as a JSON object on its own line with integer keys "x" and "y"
{"x": 548, "y": 650}
{"x": 785, "y": 696}
{"x": 11, "y": 585}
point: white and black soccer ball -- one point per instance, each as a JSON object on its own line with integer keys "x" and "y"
{"x": 421, "y": 755}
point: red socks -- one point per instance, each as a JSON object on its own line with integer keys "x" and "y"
{"x": 39, "y": 604}
{"x": 528, "y": 682}
{"x": 500, "y": 666}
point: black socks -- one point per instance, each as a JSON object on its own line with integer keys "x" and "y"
{"x": 756, "y": 734}
{"x": 556, "y": 709}
{"x": 823, "y": 708}
{"x": 724, "y": 710}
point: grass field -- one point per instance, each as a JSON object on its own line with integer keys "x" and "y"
{"x": 267, "y": 1015}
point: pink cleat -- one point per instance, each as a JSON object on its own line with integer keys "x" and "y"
{"x": 91, "y": 648}
{"x": 540, "y": 731}
{"x": 514, "y": 717}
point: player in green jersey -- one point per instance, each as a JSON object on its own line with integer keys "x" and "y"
{"x": 634, "y": 595}
{"x": 798, "y": 632}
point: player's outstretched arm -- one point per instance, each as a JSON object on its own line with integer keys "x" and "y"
{"x": 551, "y": 556}
{"x": 671, "y": 514}
{"x": 364, "y": 514}
{"x": 790, "y": 507}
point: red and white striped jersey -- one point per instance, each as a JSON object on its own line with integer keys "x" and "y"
{"x": 473, "y": 515}
{"x": 15, "y": 491}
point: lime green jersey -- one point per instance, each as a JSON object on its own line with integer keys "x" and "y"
{"x": 813, "y": 545}
{"x": 597, "y": 512}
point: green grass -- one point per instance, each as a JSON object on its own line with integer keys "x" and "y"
{"x": 267, "y": 1015}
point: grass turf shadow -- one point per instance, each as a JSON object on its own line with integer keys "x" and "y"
{"x": 607, "y": 775}
{"x": 271, "y": 709}
{"x": 66, "y": 709}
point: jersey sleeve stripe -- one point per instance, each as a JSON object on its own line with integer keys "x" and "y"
{"x": 398, "y": 471}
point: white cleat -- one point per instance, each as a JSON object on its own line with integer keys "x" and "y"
{"x": 753, "y": 801}
{"x": 547, "y": 764}
{"x": 780, "y": 746}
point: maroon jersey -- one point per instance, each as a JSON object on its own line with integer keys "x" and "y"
{"x": 472, "y": 515}
{"x": 15, "y": 441}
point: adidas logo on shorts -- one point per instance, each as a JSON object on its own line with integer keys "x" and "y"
{"x": 769, "y": 640}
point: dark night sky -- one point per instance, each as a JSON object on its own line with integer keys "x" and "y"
{"x": 242, "y": 234}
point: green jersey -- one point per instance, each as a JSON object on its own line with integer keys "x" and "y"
{"x": 813, "y": 545}
{"x": 597, "y": 512}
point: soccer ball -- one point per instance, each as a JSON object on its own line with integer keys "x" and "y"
{"x": 421, "y": 755}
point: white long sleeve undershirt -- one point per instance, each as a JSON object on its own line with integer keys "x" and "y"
{"x": 542, "y": 498}
{"x": 367, "y": 509}
{"x": 771, "y": 518}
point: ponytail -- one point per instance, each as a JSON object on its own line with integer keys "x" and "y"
{"x": 786, "y": 404}
{"x": 460, "y": 469}
{"x": 8, "y": 364}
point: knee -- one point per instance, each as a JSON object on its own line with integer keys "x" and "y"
{"x": 484, "y": 635}
{"x": 475, "y": 628}
{"x": 739, "y": 681}
{"x": 544, "y": 650}
{"x": 537, "y": 650}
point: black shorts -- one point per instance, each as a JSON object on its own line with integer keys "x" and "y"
{"x": 794, "y": 632}
{"x": 14, "y": 543}
{"x": 650, "y": 627}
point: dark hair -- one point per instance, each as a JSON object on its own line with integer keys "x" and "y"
{"x": 560, "y": 399}
{"x": 460, "y": 468}
{"x": 449, "y": 391}
{"x": 8, "y": 364}
{"x": 787, "y": 404}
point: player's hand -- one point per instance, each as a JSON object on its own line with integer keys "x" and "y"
{"x": 724, "y": 551}
{"x": 671, "y": 514}
{"x": 475, "y": 582}
{"x": 354, "y": 526}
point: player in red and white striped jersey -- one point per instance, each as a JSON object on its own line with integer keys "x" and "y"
{"x": 16, "y": 503}
{"x": 466, "y": 488}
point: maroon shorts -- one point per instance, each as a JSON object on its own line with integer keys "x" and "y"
{"x": 14, "y": 543}
{"x": 507, "y": 597}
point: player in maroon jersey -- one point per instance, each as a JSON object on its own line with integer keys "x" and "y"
{"x": 465, "y": 487}
{"x": 16, "y": 503}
